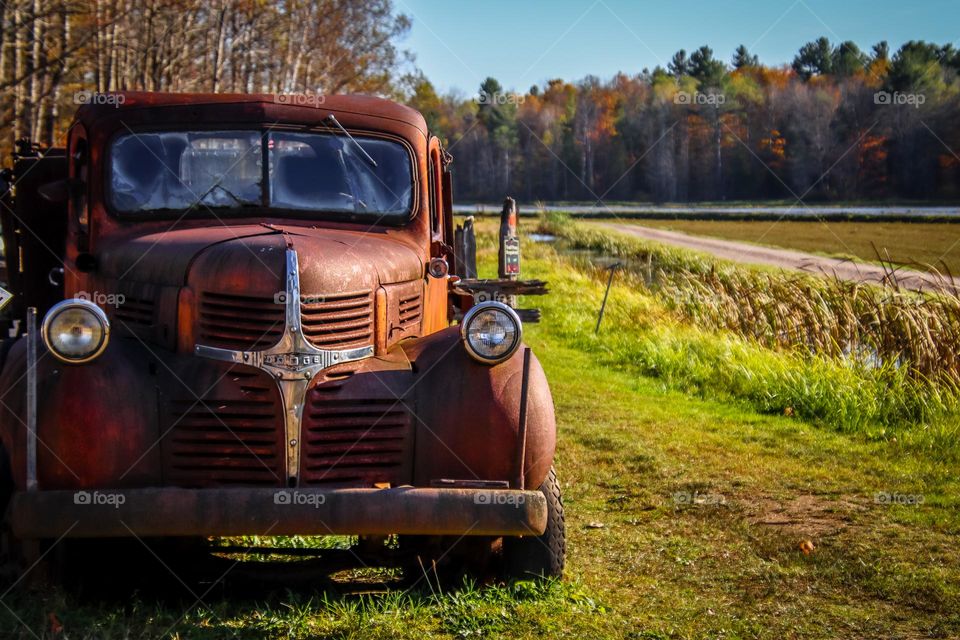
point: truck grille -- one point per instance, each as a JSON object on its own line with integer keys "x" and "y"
{"x": 233, "y": 437}
{"x": 338, "y": 320}
{"x": 360, "y": 442}
{"x": 135, "y": 312}
{"x": 410, "y": 310}
{"x": 331, "y": 321}
{"x": 240, "y": 322}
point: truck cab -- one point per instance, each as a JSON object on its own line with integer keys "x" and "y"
{"x": 237, "y": 315}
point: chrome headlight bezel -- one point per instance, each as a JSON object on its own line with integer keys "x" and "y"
{"x": 86, "y": 306}
{"x": 508, "y": 313}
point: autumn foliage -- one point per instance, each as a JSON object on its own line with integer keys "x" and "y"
{"x": 837, "y": 124}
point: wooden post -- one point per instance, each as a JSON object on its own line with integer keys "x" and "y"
{"x": 603, "y": 307}
{"x": 465, "y": 240}
{"x": 509, "y": 263}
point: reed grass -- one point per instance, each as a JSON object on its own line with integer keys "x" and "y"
{"x": 863, "y": 359}
{"x": 882, "y": 326}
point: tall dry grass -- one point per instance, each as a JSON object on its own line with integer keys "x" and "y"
{"x": 827, "y": 316}
{"x": 883, "y": 326}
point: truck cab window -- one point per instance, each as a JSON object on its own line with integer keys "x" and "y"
{"x": 176, "y": 170}
{"x": 322, "y": 172}
{"x": 327, "y": 172}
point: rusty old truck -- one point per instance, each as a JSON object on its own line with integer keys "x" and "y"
{"x": 241, "y": 314}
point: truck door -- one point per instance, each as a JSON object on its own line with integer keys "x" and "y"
{"x": 436, "y": 307}
{"x": 34, "y": 234}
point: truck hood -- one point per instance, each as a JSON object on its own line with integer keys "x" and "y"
{"x": 252, "y": 258}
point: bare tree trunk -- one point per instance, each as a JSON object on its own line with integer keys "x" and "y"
{"x": 19, "y": 67}
{"x": 53, "y": 91}
{"x": 98, "y": 45}
{"x": 37, "y": 32}
{"x": 218, "y": 56}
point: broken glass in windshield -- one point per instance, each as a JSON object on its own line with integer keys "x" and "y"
{"x": 183, "y": 171}
{"x": 322, "y": 172}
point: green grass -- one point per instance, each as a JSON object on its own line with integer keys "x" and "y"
{"x": 856, "y": 357}
{"x": 920, "y": 245}
{"x": 643, "y": 337}
{"x": 644, "y": 562}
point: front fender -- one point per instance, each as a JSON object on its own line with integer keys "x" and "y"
{"x": 96, "y": 422}
{"x": 469, "y": 414}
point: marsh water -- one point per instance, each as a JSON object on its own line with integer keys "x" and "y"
{"x": 667, "y": 211}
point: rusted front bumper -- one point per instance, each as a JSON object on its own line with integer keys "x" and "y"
{"x": 228, "y": 512}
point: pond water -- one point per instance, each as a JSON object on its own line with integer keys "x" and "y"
{"x": 541, "y": 237}
{"x": 799, "y": 211}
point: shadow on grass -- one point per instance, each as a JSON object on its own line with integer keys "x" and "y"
{"x": 124, "y": 589}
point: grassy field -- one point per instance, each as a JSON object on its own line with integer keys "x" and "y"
{"x": 691, "y": 514}
{"x": 920, "y": 245}
{"x": 860, "y": 353}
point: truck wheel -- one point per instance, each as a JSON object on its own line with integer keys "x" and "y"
{"x": 11, "y": 558}
{"x": 539, "y": 556}
{"x": 447, "y": 560}
{"x": 5, "y": 346}
{"x": 20, "y": 559}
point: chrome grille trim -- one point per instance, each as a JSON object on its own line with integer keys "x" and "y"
{"x": 293, "y": 362}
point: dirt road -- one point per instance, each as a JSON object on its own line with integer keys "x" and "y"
{"x": 787, "y": 259}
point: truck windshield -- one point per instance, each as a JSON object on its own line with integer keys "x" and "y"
{"x": 188, "y": 171}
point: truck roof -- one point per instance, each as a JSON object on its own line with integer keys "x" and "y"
{"x": 288, "y": 106}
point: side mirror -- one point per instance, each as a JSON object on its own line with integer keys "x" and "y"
{"x": 59, "y": 191}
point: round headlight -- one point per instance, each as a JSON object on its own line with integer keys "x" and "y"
{"x": 491, "y": 332}
{"x": 76, "y": 331}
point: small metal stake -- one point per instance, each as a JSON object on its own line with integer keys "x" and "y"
{"x": 612, "y": 268}
{"x": 522, "y": 427}
{"x": 31, "y": 399}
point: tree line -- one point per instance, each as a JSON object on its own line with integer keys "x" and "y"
{"x": 53, "y": 51}
{"x": 837, "y": 123}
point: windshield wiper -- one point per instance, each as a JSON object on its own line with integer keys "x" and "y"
{"x": 332, "y": 118}
{"x": 214, "y": 186}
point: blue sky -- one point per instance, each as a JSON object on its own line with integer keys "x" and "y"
{"x": 525, "y": 42}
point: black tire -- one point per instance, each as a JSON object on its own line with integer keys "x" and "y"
{"x": 533, "y": 557}
{"x": 5, "y": 345}
{"x": 18, "y": 556}
{"x": 11, "y": 560}
{"x": 6, "y": 481}
{"x": 447, "y": 560}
